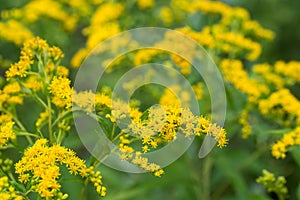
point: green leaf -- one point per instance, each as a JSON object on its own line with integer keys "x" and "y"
{"x": 145, "y": 115}
{"x": 295, "y": 151}
{"x": 18, "y": 186}
{"x": 298, "y": 191}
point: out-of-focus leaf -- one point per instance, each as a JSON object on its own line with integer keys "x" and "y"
{"x": 228, "y": 167}
{"x": 295, "y": 151}
{"x": 298, "y": 191}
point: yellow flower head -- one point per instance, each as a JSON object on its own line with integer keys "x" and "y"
{"x": 6, "y": 132}
{"x": 61, "y": 91}
{"x": 7, "y": 191}
{"x": 39, "y": 167}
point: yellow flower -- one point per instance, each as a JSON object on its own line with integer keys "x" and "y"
{"x": 6, "y": 132}
{"x": 55, "y": 53}
{"x": 32, "y": 48}
{"x": 144, "y": 56}
{"x": 62, "y": 71}
{"x": 61, "y": 91}
{"x": 102, "y": 99}
{"x": 268, "y": 74}
{"x": 20, "y": 35}
{"x": 84, "y": 100}
{"x": 145, "y": 4}
{"x": 79, "y": 57}
{"x": 107, "y": 12}
{"x": 234, "y": 73}
{"x": 101, "y": 32}
{"x": 7, "y": 191}
{"x": 284, "y": 102}
{"x": 12, "y": 88}
{"x": 19, "y": 69}
{"x": 33, "y": 83}
{"x": 41, "y": 163}
{"x": 198, "y": 89}
{"x": 166, "y": 15}
{"x": 5, "y": 118}
{"x": 246, "y": 128}
{"x": 34, "y": 10}
{"x": 272, "y": 184}
{"x": 289, "y": 139}
{"x": 290, "y": 69}
{"x": 42, "y": 118}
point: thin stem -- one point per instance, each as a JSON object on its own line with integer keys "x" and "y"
{"x": 62, "y": 115}
{"x": 39, "y": 100}
{"x": 101, "y": 161}
{"x": 40, "y": 133}
{"x": 50, "y": 120}
{"x": 195, "y": 174}
{"x": 206, "y": 177}
{"x": 113, "y": 130}
{"x": 11, "y": 176}
{"x": 114, "y": 139}
{"x": 24, "y": 133}
{"x": 28, "y": 192}
{"x": 58, "y": 137}
{"x": 83, "y": 189}
{"x": 18, "y": 123}
{"x": 7, "y": 147}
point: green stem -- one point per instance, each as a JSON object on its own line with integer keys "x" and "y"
{"x": 24, "y": 133}
{"x": 113, "y": 131}
{"x": 50, "y": 120}
{"x": 83, "y": 189}
{"x": 39, "y": 100}
{"x": 11, "y": 176}
{"x": 114, "y": 139}
{"x": 61, "y": 135}
{"x": 62, "y": 115}
{"x": 206, "y": 177}
{"x": 193, "y": 168}
{"x": 23, "y": 195}
{"x": 7, "y": 147}
{"x": 18, "y": 123}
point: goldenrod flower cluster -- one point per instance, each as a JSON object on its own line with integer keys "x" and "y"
{"x": 235, "y": 38}
{"x": 102, "y": 26}
{"x": 85, "y": 100}
{"x": 272, "y": 184}
{"x": 160, "y": 126}
{"x": 11, "y": 94}
{"x": 6, "y": 132}
{"x": 232, "y": 35}
{"x": 165, "y": 122}
{"x": 61, "y": 91}
{"x": 279, "y": 104}
{"x": 33, "y": 50}
{"x": 20, "y": 35}
{"x": 39, "y": 168}
{"x": 144, "y": 4}
{"x": 34, "y": 11}
{"x": 289, "y": 70}
{"x": 7, "y": 191}
{"x": 39, "y": 76}
{"x": 288, "y": 140}
{"x": 246, "y": 128}
{"x": 234, "y": 73}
